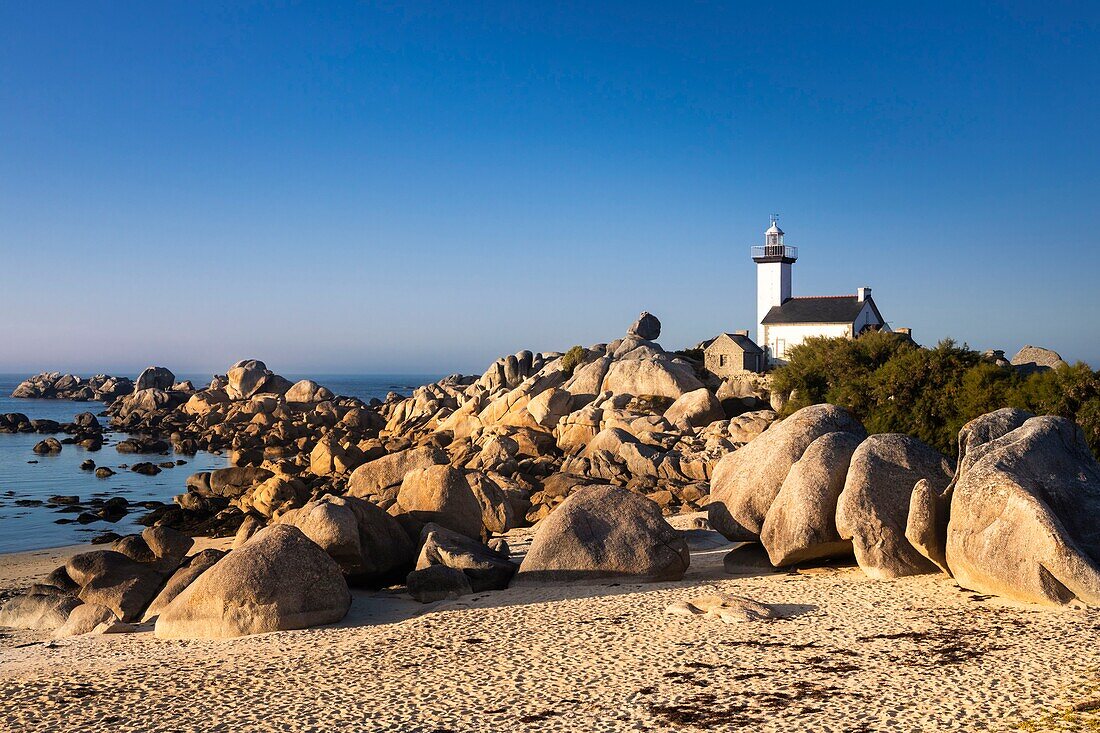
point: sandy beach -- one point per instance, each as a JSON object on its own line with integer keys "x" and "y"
{"x": 852, "y": 654}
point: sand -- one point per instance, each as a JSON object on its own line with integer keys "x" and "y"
{"x": 852, "y": 654}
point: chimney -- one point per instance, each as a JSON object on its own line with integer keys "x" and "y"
{"x": 743, "y": 332}
{"x": 862, "y": 293}
{"x": 904, "y": 332}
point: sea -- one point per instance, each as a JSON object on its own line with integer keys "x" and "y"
{"x": 28, "y": 480}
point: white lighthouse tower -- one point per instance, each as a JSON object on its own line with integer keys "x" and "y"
{"x": 773, "y": 275}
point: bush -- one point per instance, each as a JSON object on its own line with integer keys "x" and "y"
{"x": 892, "y": 385}
{"x": 573, "y": 358}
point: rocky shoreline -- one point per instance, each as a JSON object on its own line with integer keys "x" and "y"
{"x": 596, "y": 448}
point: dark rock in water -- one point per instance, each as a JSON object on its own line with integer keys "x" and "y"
{"x": 28, "y": 502}
{"x": 104, "y": 472}
{"x": 87, "y": 421}
{"x": 63, "y": 521}
{"x": 142, "y": 445}
{"x": 145, "y": 469}
{"x": 88, "y": 518}
{"x": 223, "y": 524}
{"x": 437, "y": 583}
{"x": 167, "y": 464}
{"x": 92, "y": 443}
{"x": 46, "y": 426}
{"x": 88, "y": 465}
{"x": 48, "y": 446}
{"x": 61, "y": 500}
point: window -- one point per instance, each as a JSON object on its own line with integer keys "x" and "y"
{"x": 721, "y": 360}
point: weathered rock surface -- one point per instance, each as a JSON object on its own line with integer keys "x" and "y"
{"x": 278, "y": 580}
{"x": 604, "y": 532}
{"x": 84, "y": 619}
{"x": 485, "y": 568}
{"x": 437, "y": 583}
{"x": 183, "y": 577}
{"x": 695, "y": 409}
{"x": 1023, "y": 516}
{"x": 745, "y": 483}
{"x": 723, "y": 607}
{"x": 930, "y": 509}
{"x": 1035, "y": 358}
{"x": 873, "y": 508}
{"x": 39, "y": 611}
{"x": 801, "y": 523}
{"x": 440, "y": 494}
{"x": 369, "y": 545}
{"x": 374, "y": 476}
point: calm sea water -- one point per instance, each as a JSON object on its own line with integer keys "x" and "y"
{"x": 24, "y": 480}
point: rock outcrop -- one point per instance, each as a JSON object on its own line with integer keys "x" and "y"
{"x": 368, "y": 544}
{"x": 745, "y": 483}
{"x": 873, "y": 508}
{"x": 929, "y": 508}
{"x": 278, "y": 580}
{"x": 801, "y": 523}
{"x": 1023, "y": 516}
{"x": 604, "y": 532}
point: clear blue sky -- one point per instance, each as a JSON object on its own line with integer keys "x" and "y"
{"x": 360, "y": 187}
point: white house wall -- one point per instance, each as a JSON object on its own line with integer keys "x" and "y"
{"x": 796, "y": 333}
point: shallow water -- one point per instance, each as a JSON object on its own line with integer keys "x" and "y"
{"x": 25, "y": 476}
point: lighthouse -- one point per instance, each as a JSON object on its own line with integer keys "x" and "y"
{"x": 773, "y": 275}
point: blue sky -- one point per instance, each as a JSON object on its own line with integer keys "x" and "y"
{"x": 365, "y": 187}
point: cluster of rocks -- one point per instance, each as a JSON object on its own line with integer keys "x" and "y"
{"x": 1014, "y": 518}
{"x": 297, "y": 572}
{"x": 525, "y": 434}
{"x": 55, "y": 385}
{"x": 85, "y": 430}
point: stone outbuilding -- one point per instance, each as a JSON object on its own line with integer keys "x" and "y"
{"x": 730, "y": 353}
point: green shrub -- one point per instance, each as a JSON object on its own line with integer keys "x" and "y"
{"x": 573, "y": 358}
{"x": 892, "y": 385}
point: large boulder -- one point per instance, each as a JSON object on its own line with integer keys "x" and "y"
{"x": 437, "y": 583}
{"x": 929, "y": 509}
{"x": 441, "y": 494}
{"x": 38, "y": 611}
{"x": 229, "y": 483}
{"x": 155, "y": 377}
{"x": 389, "y": 470}
{"x": 873, "y": 508}
{"x": 1036, "y": 359}
{"x": 605, "y": 532}
{"x": 646, "y": 327}
{"x": 278, "y": 580}
{"x": 498, "y": 510}
{"x": 744, "y": 483}
{"x": 183, "y": 577}
{"x": 695, "y": 409}
{"x": 246, "y": 378}
{"x": 84, "y": 619}
{"x": 116, "y": 581}
{"x": 485, "y": 568}
{"x": 307, "y": 390}
{"x": 369, "y": 545}
{"x": 1023, "y": 516}
{"x": 801, "y": 523}
{"x": 658, "y": 376}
